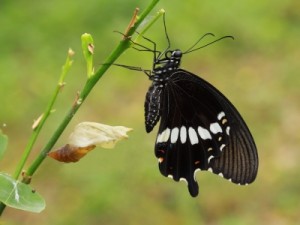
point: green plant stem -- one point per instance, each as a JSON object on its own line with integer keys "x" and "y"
{"x": 35, "y": 135}
{"x": 123, "y": 45}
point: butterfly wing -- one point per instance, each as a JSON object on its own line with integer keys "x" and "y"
{"x": 201, "y": 130}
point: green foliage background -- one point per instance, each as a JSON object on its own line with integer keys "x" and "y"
{"x": 259, "y": 72}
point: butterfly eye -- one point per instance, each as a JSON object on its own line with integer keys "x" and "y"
{"x": 177, "y": 54}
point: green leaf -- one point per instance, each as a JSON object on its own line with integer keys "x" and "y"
{"x": 18, "y": 195}
{"x": 3, "y": 144}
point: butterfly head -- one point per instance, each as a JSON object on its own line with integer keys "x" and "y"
{"x": 167, "y": 63}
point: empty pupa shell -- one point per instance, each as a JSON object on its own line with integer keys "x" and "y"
{"x": 91, "y": 133}
{"x": 70, "y": 153}
{"x": 85, "y": 137}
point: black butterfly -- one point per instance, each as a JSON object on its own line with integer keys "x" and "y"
{"x": 200, "y": 129}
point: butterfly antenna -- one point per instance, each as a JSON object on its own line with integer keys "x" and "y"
{"x": 195, "y": 49}
{"x": 166, "y": 32}
{"x": 167, "y": 37}
{"x": 207, "y": 34}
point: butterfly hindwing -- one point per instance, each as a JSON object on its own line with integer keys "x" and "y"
{"x": 200, "y": 130}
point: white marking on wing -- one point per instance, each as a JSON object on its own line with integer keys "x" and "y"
{"x": 203, "y": 133}
{"x": 227, "y": 130}
{"x": 193, "y": 136}
{"x": 221, "y": 115}
{"x": 197, "y": 170}
{"x": 184, "y": 180}
{"x": 164, "y": 136}
{"x": 174, "y": 135}
{"x": 183, "y": 134}
{"x": 222, "y": 146}
{"x": 215, "y": 128}
{"x": 210, "y": 158}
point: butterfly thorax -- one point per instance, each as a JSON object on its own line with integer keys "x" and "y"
{"x": 163, "y": 67}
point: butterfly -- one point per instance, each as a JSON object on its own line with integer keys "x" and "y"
{"x": 200, "y": 129}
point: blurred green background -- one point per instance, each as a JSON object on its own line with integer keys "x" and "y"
{"x": 258, "y": 72}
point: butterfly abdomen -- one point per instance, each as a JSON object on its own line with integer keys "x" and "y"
{"x": 153, "y": 105}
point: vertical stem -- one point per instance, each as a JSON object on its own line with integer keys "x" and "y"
{"x": 35, "y": 135}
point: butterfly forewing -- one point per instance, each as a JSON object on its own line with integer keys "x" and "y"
{"x": 199, "y": 130}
